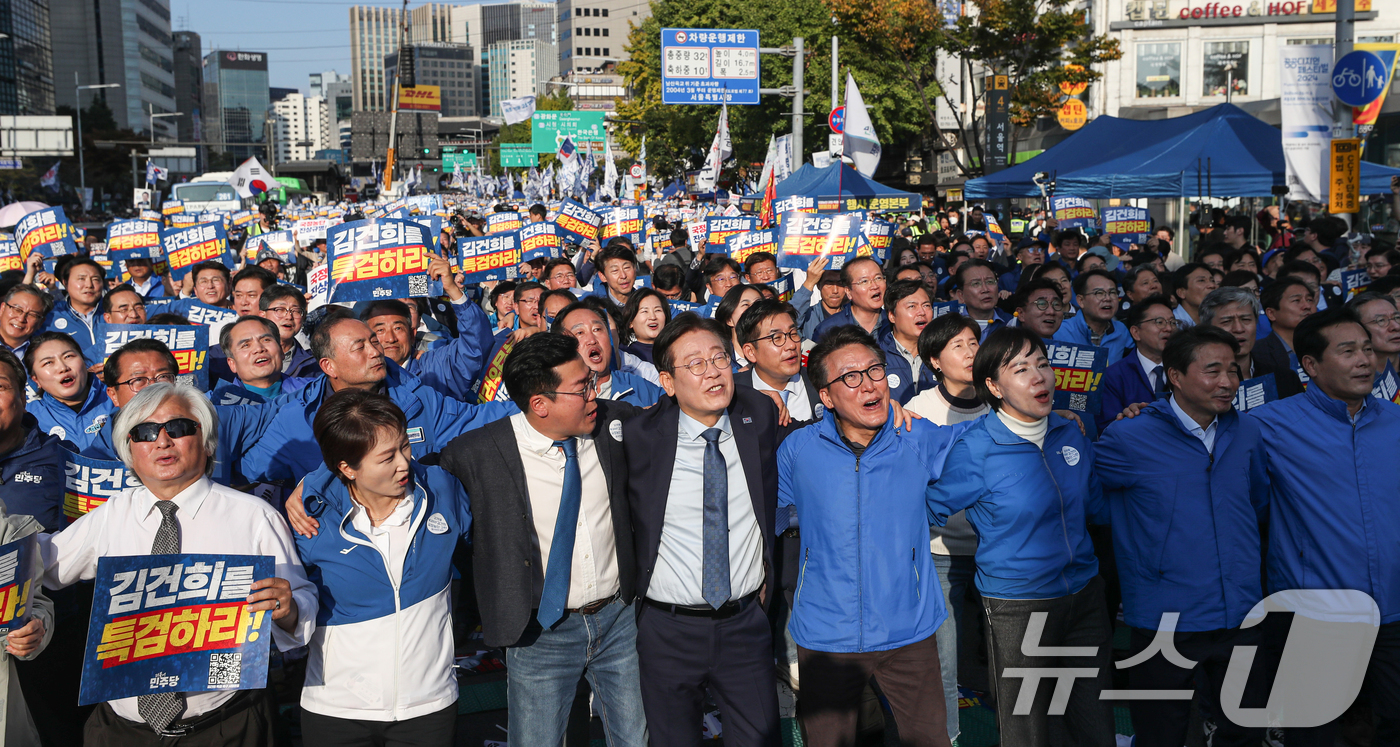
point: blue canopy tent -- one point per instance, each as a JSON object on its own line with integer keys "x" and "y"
{"x": 838, "y": 188}
{"x": 1217, "y": 152}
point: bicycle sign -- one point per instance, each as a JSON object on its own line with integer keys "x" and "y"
{"x": 1359, "y": 78}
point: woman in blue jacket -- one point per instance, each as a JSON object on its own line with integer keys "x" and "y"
{"x": 74, "y": 404}
{"x": 1026, "y": 479}
{"x": 380, "y": 668}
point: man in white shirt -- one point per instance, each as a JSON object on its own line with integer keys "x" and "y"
{"x": 168, "y": 441}
{"x": 553, "y": 563}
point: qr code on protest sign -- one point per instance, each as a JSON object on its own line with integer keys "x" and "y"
{"x": 225, "y": 670}
{"x": 1079, "y": 402}
{"x": 417, "y": 285}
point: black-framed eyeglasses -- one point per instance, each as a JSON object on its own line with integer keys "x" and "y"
{"x": 698, "y": 366}
{"x": 1045, "y": 303}
{"x": 589, "y": 390}
{"x": 32, "y": 316}
{"x": 853, "y": 379}
{"x": 794, "y": 335}
{"x": 145, "y": 433}
{"x": 137, "y": 383}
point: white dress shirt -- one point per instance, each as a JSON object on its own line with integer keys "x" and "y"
{"x": 1206, "y": 434}
{"x": 593, "y": 573}
{"x": 1183, "y": 317}
{"x": 1148, "y": 366}
{"x": 391, "y": 538}
{"x": 680, "y": 565}
{"x": 213, "y": 519}
{"x": 794, "y": 395}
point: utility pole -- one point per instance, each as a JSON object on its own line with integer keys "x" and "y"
{"x": 835, "y": 79}
{"x": 798, "y": 62}
{"x": 1343, "y": 124}
{"x": 398, "y": 84}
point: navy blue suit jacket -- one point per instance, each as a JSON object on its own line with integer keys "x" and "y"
{"x": 1123, "y": 384}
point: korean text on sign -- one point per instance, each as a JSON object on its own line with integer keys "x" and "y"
{"x": 89, "y": 483}
{"x": 577, "y": 223}
{"x": 47, "y": 232}
{"x": 21, "y": 573}
{"x": 1073, "y": 212}
{"x": 718, "y": 230}
{"x": 187, "y": 247}
{"x": 175, "y": 623}
{"x": 1126, "y": 226}
{"x": 1078, "y": 373}
{"x": 133, "y": 239}
{"x": 9, "y": 255}
{"x": 741, "y": 245}
{"x": 502, "y": 222}
{"x": 540, "y": 240}
{"x": 378, "y": 258}
{"x": 805, "y": 236}
{"x": 189, "y": 345}
{"x": 495, "y": 257}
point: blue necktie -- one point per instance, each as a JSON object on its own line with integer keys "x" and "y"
{"x": 1159, "y": 386}
{"x": 715, "y": 581}
{"x": 561, "y": 549}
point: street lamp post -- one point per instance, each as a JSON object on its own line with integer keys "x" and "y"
{"x": 78, "y": 104}
{"x": 154, "y": 117}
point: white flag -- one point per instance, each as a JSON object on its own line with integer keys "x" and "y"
{"x": 518, "y": 110}
{"x": 251, "y": 179}
{"x": 769, "y": 162}
{"x": 782, "y": 162}
{"x": 609, "y": 172}
{"x": 860, "y": 143}
{"x": 720, "y": 150}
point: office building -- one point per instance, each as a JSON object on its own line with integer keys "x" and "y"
{"x": 277, "y": 93}
{"x": 520, "y": 68}
{"x": 301, "y": 126}
{"x": 481, "y": 26}
{"x": 189, "y": 86}
{"x": 374, "y": 33}
{"x": 236, "y": 104}
{"x": 448, "y": 66}
{"x": 26, "y": 60}
{"x": 128, "y": 42}
{"x": 593, "y": 33}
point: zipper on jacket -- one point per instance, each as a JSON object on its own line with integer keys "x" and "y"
{"x": 1064, "y": 526}
{"x": 801, "y": 576}
{"x": 914, "y": 557}
{"x": 860, "y": 592}
{"x": 398, "y": 633}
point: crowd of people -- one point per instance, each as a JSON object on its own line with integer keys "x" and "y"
{"x": 657, "y": 470}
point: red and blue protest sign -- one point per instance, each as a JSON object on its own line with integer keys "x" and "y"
{"x": 21, "y": 573}
{"x": 1354, "y": 282}
{"x": 800, "y": 203}
{"x": 187, "y": 247}
{"x": 503, "y": 222}
{"x": 784, "y": 287}
{"x": 623, "y": 221}
{"x": 540, "y": 239}
{"x": 1254, "y": 392}
{"x": 490, "y": 257}
{"x": 133, "y": 239}
{"x": 740, "y": 245}
{"x": 1078, "y": 375}
{"x": 188, "y": 343}
{"x": 719, "y": 229}
{"x": 378, "y": 258}
{"x": 1073, "y": 212}
{"x": 281, "y": 242}
{"x": 879, "y": 234}
{"x": 9, "y": 255}
{"x": 1126, "y": 226}
{"x": 577, "y": 223}
{"x": 172, "y": 207}
{"x": 89, "y": 483}
{"x": 803, "y": 237}
{"x": 175, "y": 623}
{"x": 47, "y": 232}
{"x": 1387, "y": 385}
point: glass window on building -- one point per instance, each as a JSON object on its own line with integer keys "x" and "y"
{"x": 1226, "y": 65}
{"x": 1387, "y": 39}
{"x": 1158, "y": 69}
{"x": 1311, "y": 41}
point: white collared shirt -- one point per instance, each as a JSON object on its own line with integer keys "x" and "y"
{"x": 593, "y": 573}
{"x": 1206, "y": 434}
{"x": 1183, "y": 317}
{"x": 680, "y": 565}
{"x": 1148, "y": 366}
{"x": 144, "y": 287}
{"x": 794, "y": 395}
{"x": 213, "y": 519}
{"x": 392, "y": 537}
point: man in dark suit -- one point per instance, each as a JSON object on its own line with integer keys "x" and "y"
{"x": 772, "y": 343}
{"x": 552, "y": 555}
{"x": 1287, "y": 302}
{"x": 1140, "y": 376}
{"x": 703, "y": 488}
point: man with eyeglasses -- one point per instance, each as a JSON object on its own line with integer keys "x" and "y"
{"x": 1096, "y": 292}
{"x": 1140, "y": 377}
{"x": 868, "y": 599}
{"x": 910, "y": 309}
{"x": 864, "y": 281}
{"x": 1039, "y": 308}
{"x": 285, "y": 306}
{"x": 1379, "y": 316}
{"x": 773, "y": 344}
{"x": 974, "y": 285}
{"x": 123, "y": 305}
{"x": 1237, "y": 311}
{"x": 556, "y": 584}
{"x": 703, "y": 487}
{"x": 721, "y": 274}
{"x": 22, "y": 313}
{"x": 209, "y": 282}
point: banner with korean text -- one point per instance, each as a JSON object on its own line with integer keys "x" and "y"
{"x": 133, "y": 239}
{"x": 188, "y": 343}
{"x": 804, "y": 236}
{"x": 187, "y": 247}
{"x": 378, "y": 258}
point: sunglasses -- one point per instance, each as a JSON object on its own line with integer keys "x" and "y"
{"x": 176, "y": 428}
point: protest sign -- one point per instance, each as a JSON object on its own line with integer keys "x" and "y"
{"x": 183, "y": 220}
{"x": 187, "y": 247}
{"x": 151, "y": 215}
{"x": 1254, "y": 392}
{"x": 1073, "y": 212}
{"x": 172, "y": 207}
{"x": 540, "y": 240}
{"x": 490, "y": 257}
{"x": 1387, "y": 385}
{"x": 133, "y": 239}
{"x": 1126, "y": 226}
{"x": 202, "y": 313}
{"x": 311, "y": 229}
{"x": 1078, "y": 374}
{"x": 718, "y": 230}
{"x": 805, "y": 236}
{"x": 47, "y": 232}
{"x": 318, "y": 284}
{"x": 795, "y": 202}
{"x": 622, "y": 221}
{"x": 740, "y": 245}
{"x": 1354, "y": 282}
{"x": 680, "y": 307}
{"x": 378, "y": 258}
{"x": 577, "y": 223}
{"x": 949, "y": 307}
{"x": 89, "y": 483}
{"x": 784, "y": 287}
{"x": 242, "y": 218}
{"x": 175, "y": 623}
{"x": 502, "y": 222}
{"x": 21, "y": 574}
{"x": 280, "y": 242}
{"x": 490, "y": 388}
{"x": 188, "y": 343}
{"x": 879, "y": 234}
{"x": 9, "y": 256}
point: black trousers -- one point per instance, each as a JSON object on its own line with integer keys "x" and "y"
{"x": 432, "y": 730}
{"x": 1163, "y": 723}
{"x": 680, "y": 657}
{"x": 50, "y": 681}
{"x": 1382, "y": 686}
{"x": 249, "y": 720}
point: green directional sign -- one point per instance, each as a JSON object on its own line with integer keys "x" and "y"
{"x": 518, "y": 156}
{"x": 549, "y": 128}
{"x": 453, "y": 155}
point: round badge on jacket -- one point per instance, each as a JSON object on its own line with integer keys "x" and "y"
{"x": 60, "y": 323}
{"x": 894, "y": 380}
{"x": 1070, "y": 454}
{"x": 437, "y": 524}
{"x": 615, "y": 429}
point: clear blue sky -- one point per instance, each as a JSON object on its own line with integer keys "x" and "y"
{"x": 300, "y": 37}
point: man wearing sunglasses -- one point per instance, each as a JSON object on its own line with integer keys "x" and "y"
{"x": 168, "y": 441}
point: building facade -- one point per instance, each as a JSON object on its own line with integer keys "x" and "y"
{"x": 483, "y": 26}
{"x": 189, "y": 86}
{"x": 448, "y": 66}
{"x": 374, "y": 33}
{"x": 301, "y": 127}
{"x": 236, "y": 104}
{"x": 520, "y": 68}
{"x": 593, "y": 33}
{"x": 26, "y": 59}
{"x": 128, "y": 42}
